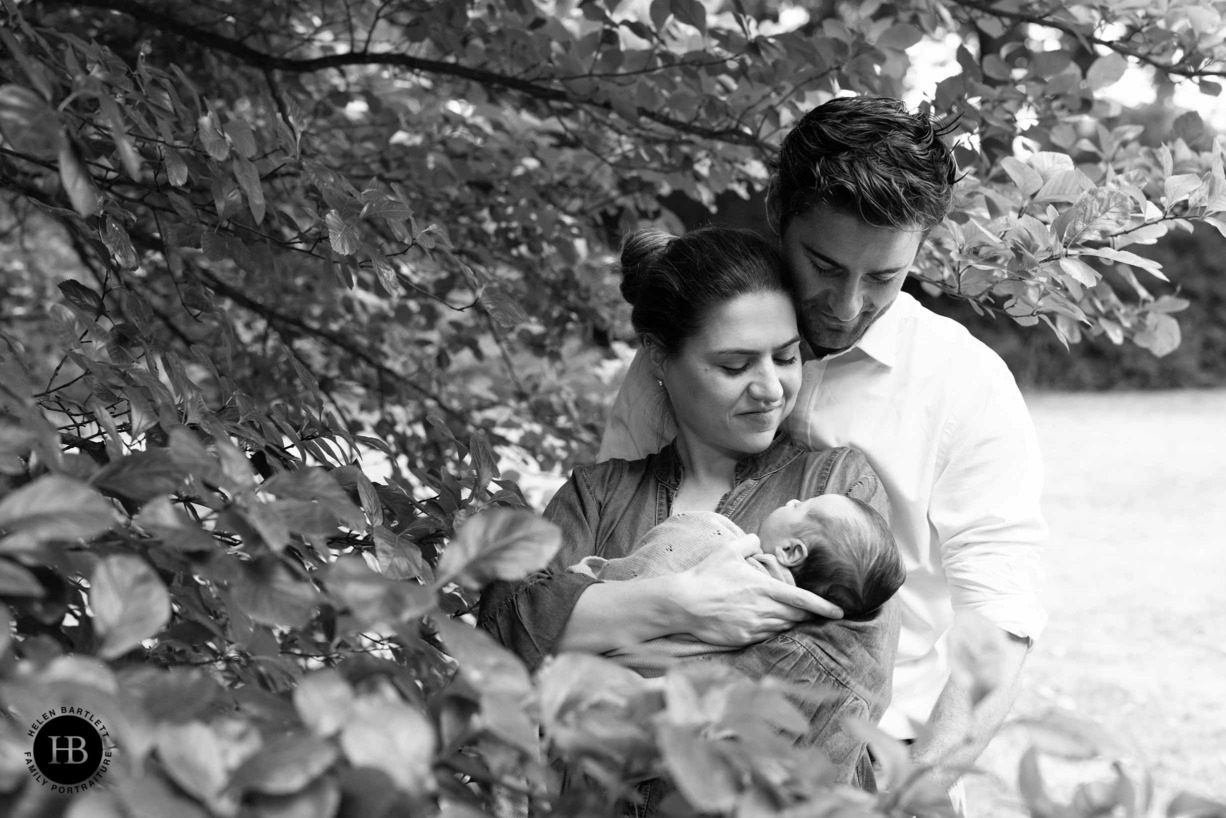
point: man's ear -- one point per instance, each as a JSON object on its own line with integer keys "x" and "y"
{"x": 793, "y": 553}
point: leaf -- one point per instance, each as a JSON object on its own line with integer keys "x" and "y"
{"x": 141, "y": 476}
{"x": 317, "y": 485}
{"x": 160, "y": 518}
{"x": 53, "y": 507}
{"x": 242, "y": 137}
{"x": 1106, "y": 71}
{"x": 18, "y": 581}
{"x": 690, "y": 12}
{"x": 1064, "y": 186}
{"x": 1080, "y": 272}
{"x": 200, "y": 757}
{"x": 1026, "y": 178}
{"x": 83, "y": 298}
{"x": 503, "y": 309}
{"x": 249, "y": 180}
{"x": 211, "y": 137}
{"x": 129, "y": 601}
{"x": 499, "y": 676}
{"x": 116, "y": 239}
{"x": 900, "y": 36}
{"x": 1177, "y": 188}
{"x": 1071, "y": 737}
{"x": 266, "y": 591}
{"x": 1190, "y": 805}
{"x": 1161, "y": 335}
{"x": 387, "y": 208}
{"x": 498, "y": 544}
{"x": 77, "y": 182}
{"x": 399, "y": 557}
{"x": 321, "y": 799}
{"x": 484, "y": 461}
{"x": 384, "y": 270}
{"x": 28, "y": 123}
{"x": 6, "y": 639}
{"x": 323, "y": 700}
{"x": 343, "y": 236}
{"x": 394, "y": 738}
{"x": 128, "y": 156}
{"x": 701, "y": 775}
{"x": 285, "y": 765}
{"x": 176, "y": 169}
{"x": 372, "y": 598}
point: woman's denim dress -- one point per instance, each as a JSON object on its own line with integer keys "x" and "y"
{"x": 605, "y": 509}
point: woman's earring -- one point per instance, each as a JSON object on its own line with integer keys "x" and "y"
{"x": 660, "y": 382}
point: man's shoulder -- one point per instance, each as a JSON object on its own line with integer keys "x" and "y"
{"x": 937, "y": 342}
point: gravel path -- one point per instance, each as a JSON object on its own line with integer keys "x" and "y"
{"x": 1136, "y": 584}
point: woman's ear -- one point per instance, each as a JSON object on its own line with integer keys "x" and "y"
{"x": 793, "y": 553}
{"x": 657, "y": 358}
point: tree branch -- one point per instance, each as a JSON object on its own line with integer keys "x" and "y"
{"x": 274, "y": 316}
{"x": 1073, "y": 31}
{"x": 422, "y": 65}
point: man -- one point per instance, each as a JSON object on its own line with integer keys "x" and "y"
{"x": 858, "y": 185}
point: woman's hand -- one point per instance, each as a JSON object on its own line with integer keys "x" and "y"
{"x": 726, "y": 601}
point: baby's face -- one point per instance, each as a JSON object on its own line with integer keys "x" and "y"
{"x": 785, "y": 523}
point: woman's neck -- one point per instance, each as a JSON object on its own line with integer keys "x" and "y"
{"x": 708, "y": 475}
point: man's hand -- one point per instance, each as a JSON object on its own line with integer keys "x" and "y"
{"x": 728, "y": 602}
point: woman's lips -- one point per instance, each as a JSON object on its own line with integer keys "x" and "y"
{"x": 763, "y": 419}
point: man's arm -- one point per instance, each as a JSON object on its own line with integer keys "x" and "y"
{"x": 985, "y": 513}
{"x": 959, "y": 730}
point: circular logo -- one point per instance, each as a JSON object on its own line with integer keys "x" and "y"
{"x": 69, "y": 752}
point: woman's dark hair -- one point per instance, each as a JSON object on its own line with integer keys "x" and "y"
{"x": 867, "y": 156}
{"x": 673, "y": 282}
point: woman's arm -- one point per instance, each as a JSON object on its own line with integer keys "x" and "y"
{"x": 722, "y": 600}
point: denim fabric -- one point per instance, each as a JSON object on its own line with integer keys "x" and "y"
{"x": 605, "y": 510}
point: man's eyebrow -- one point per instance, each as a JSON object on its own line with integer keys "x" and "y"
{"x": 833, "y": 263}
{"x": 776, "y": 350}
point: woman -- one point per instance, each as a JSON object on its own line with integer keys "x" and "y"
{"x": 713, "y": 311}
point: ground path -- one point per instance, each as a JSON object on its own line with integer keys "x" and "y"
{"x": 1136, "y": 581}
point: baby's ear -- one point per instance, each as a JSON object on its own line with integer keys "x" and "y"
{"x": 793, "y": 553}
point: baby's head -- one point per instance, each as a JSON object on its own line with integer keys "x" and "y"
{"x": 839, "y": 548}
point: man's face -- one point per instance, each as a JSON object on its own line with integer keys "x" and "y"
{"x": 847, "y": 273}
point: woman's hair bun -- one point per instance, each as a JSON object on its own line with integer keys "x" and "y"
{"x": 640, "y": 252}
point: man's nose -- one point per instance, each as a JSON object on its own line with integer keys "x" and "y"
{"x": 847, "y": 301}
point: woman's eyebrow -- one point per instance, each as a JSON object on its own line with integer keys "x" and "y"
{"x": 778, "y": 349}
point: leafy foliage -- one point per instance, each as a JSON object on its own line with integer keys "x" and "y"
{"x": 289, "y": 278}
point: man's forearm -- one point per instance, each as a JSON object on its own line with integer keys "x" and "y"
{"x": 957, "y": 731}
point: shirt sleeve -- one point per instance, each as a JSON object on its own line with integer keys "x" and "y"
{"x": 528, "y": 617}
{"x": 639, "y": 423}
{"x": 985, "y": 506}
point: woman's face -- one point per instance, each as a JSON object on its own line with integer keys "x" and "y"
{"x": 735, "y": 381}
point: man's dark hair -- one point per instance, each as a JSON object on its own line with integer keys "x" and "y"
{"x": 853, "y": 563}
{"x": 673, "y": 282}
{"x": 867, "y": 156}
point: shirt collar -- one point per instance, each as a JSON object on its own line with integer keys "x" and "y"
{"x": 669, "y": 471}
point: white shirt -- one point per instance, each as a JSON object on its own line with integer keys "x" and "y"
{"x": 941, "y": 420}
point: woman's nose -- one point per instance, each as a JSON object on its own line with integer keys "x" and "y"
{"x": 767, "y": 387}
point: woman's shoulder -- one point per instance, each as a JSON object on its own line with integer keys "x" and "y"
{"x": 600, "y": 475}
